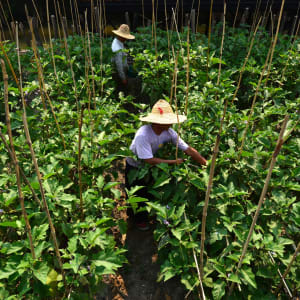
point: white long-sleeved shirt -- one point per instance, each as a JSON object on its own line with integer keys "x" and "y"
{"x": 119, "y": 58}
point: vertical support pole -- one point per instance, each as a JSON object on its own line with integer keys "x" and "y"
{"x": 36, "y": 31}
{"x": 292, "y": 30}
{"x": 284, "y": 17}
{"x": 186, "y": 20}
{"x": 65, "y": 26}
{"x": 193, "y": 19}
{"x": 54, "y": 26}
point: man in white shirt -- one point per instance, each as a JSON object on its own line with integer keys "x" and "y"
{"x": 149, "y": 138}
{"x": 119, "y": 59}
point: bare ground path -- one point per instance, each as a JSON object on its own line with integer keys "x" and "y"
{"x": 138, "y": 279}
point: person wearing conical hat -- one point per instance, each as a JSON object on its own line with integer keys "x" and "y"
{"x": 119, "y": 59}
{"x": 149, "y": 139}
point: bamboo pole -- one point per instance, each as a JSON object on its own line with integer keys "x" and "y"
{"x": 275, "y": 42}
{"x": 187, "y": 69}
{"x": 197, "y": 266}
{"x": 29, "y": 142}
{"x": 143, "y": 13}
{"x": 245, "y": 62}
{"x": 71, "y": 65}
{"x": 57, "y": 18}
{"x": 79, "y": 163}
{"x": 222, "y": 43}
{"x": 50, "y": 41}
{"x": 21, "y": 170}
{"x": 288, "y": 268}
{"x": 198, "y": 12}
{"x": 7, "y": 23}
{"x": 167, "y": 28}
{"x": 43, "y": 86}
{"x": 15, "y": 160}
{"x": 209, "y": 36}
{"x": 236, "y": 13}
{"x": 72, "y": 14}
{"x": 253, "y": 104}
{"x": 281, "y": 277}
{"x": 40, "y": 21}
{"x": 277, "y": 149}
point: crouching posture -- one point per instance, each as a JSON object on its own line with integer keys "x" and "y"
{"x": 149, "y": 139}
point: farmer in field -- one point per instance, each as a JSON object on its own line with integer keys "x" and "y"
{"x": 119, "y": 60}
{"x": 148, "y": 140}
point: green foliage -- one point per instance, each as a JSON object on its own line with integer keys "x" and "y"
{"x": 87, "y": 247}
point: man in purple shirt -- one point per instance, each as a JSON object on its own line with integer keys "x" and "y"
{"x": 149, "y": 139}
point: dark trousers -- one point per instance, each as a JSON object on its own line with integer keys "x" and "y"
{"x": 142, "y": 216}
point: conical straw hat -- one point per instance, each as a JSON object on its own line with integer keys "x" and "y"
{"x": 162, "y": 113}
{"x": 124, "y": 32}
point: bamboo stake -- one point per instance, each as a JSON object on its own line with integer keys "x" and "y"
{"x": 198, "y": 12}
{"x": 57, "y": 18}
{"x": 143, "y": 13}
{"x": 29, "y": 142}
{"x": 38, "y": 16}
{"x": 50, "y": 41}
{"x": 72, "y": 15}
{"x": 21, "y": 170}
{"x": 71, "y": 65}
{"x": 275, "y": 41}
{"x": 288, "y": 268}
{"x": 281, "y": 277}
{"x": 9, "y": 9}
{"x": 187, "y": 70}
{"x": 262, "y": 196}
{"x": 43, "y": 86}
{"x": 9, "y": 64}
{"x": 167, "y": 29}
{"x": 209, "y": 36}
{"x": 15, "y": 160}
{"x": 197, "y": 266}
{"x": 253, "y": 104}
{"x": 222, "y": 43}
{"x": 245, "y": 62}
{"x": 79, "y": 162}
{"x": 7, "y": 23}
{"x": 236, "y": 13}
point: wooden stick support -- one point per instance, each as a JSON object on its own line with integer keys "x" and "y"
{"x": 54, "y": 26}
{"x": 65, "y": 25}
{"x": 36, "y": 31}
{"x": 292, "y": 30}
{"x": 148, "y": 23}
{"x": 193, "y": 21}
{"x": 283, "y": 21}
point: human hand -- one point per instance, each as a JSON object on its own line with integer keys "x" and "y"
{"x": 179, "y": 161}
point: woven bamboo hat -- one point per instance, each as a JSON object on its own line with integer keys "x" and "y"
{"x": 124, "y": 32}
{"x": 162, "y": 113}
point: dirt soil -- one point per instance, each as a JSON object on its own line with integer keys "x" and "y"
{"x": 138, "y": 279}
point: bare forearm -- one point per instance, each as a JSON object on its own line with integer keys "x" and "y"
{"x": 195, "y": 155}
{"x": 156, "y": 160}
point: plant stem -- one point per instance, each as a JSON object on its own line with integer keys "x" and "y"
{"x": 15, "y": 160}
{"x": 29, "y": 142}
{"x": 277, "y": 149}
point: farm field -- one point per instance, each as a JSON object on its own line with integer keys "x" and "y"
{"x": 230, "y": 229}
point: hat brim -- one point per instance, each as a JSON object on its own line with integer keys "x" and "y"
{"x": 125, "y": 36}
{"x": 163, "y": 119}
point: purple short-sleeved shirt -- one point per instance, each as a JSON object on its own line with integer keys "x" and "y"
{"x": 146, "y": 142}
